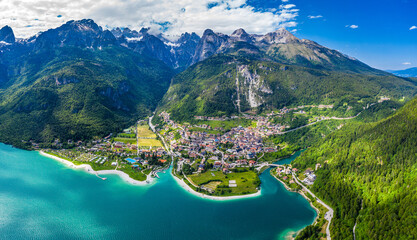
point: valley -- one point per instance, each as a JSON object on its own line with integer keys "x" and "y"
{"x": 219, "y": 113}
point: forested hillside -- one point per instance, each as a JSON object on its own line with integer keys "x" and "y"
{"x": 234, "y": 83}
{"x": 373, "y": 164}
{"x": 75, "y": 93}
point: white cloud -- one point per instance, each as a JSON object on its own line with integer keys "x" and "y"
{"x": 352, "y": 26}
{"x": 284, "y": 1}
{"x": 287, "y": 6}
{"x": 406, "y": 63}
{"x": 28, "y": 17}
{"x": 413, "y": 27}
{"x": 314, "y": 17}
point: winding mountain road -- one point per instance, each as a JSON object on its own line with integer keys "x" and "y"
{"x": 328, "y": 216}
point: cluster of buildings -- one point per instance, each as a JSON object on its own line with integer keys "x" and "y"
{"x": 310, "y": 177}
{"x": 285, "y": 171}
{"x": 223, "y": 118}
{"x": 237, "y": 147}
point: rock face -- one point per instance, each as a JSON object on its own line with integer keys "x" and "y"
{"x": 84, "y": 33}
{"x": 7, "y": 35}
{"x": 241, "y": 35}
{"x": 280, "y": 46}
{"x": 252, "y": 87}
{"x": 210, "y": 44}
{"x": 184, "y": 49}
{"x": 279, "y": 36}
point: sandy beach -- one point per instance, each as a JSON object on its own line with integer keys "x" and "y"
{"x": 190, "y": 190}
{"x": 90, "y": 170}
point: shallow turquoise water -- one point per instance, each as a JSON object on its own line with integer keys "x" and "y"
{"x": 290, "y": 159}
{"x": 42, "y": 199}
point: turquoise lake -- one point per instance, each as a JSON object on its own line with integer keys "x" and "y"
{"x": 41, "y": 198}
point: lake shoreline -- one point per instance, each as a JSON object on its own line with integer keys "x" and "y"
{"x": 215, "y": 198}
{"x": 302, "y": 194}
{"x": 87, "y": 168}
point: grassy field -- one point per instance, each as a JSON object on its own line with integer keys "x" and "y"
{"x": 247, "y": 182}
{"x": 133, "y": 173}
{"x": 125, "y": 140}
{"x": 213, "y": 185}
{"x": 145, "y": 132}
{"x": 149, "y": 142}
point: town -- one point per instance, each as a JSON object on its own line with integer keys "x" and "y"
{"x": 214, "y": 155}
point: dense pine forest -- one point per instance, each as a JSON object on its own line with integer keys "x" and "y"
{"x": 369, "y": 176}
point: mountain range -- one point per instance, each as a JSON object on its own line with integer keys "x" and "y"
{"x": 79, "y": 81}
{"x": 410, "y": 72}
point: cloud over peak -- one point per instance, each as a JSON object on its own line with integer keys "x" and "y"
{"x": 28, "y": 17}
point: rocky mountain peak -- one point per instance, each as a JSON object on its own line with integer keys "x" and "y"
{"x": 7, "y": 35}
{"x": 81, "y": 33}
{"x": 279, "y": 36}
{"x": 241, "y": 35}
{"x": 186, "y": 37}
{"x": 209, "y": 44}
{"x": 84, "y": 25}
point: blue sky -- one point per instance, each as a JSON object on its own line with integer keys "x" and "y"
{"x": 376, "y": 32}
{"x": 383, "y": 38}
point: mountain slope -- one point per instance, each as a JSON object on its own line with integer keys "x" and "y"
{"x": 375, "y": 163}
{"x": 233, "y": 83}
{"x": 283, "y": 47}
{"x": 76, "y": 89}
{"x": 410, "y": 72}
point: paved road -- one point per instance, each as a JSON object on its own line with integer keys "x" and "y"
{"x": 326, "y": 118}
{"x": 162, "y": 139}
{"x": 328, "y": 216}
{"x": 354, "y": 227}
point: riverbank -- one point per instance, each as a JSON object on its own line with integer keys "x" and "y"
{"x": 216, "y": 198}
{"x": 124, "y": 176}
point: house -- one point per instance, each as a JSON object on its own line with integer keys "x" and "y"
{"x": 251, "y": 163}
{"x": 200, "y": 168}
{"x": 311, "y": 177}
{"x": 114, "y": 163}
{"x": 232, "y": 183}
{"x": 217, "y": 164}
{"x": 162, "y": 160}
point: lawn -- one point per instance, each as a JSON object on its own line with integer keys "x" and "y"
{"x": 145, "y": 132}
{"x": 133, "y": 173}
{"x": 213, "y": 185}
{"x": 149, "y": 142}
{"x": 125, "y": 140}
{"x": 247, "y": 182}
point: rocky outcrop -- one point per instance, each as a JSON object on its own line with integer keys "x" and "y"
{"x": 7, "y": 35}
{"x": 84, "y": 33}
{"x": 253, "y": 87}
{"x": 210, "y": 44}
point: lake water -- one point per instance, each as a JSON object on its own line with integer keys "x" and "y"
{"x": 40, "y": 198}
